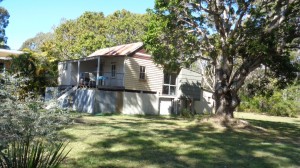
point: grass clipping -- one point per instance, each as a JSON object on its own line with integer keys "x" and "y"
{"x": 223, "y": 122}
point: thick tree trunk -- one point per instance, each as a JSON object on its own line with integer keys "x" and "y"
{"x": 228, "y": 82}
{"x": 225, "y": 104}
{"x": 226, "y": 98}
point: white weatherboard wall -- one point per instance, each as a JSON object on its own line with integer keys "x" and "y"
{"x": 84, "y": 100}
{"x": 99, "y": 101}
{"x": 64, "y": 70}
{"x": 73, "y": 72}
{"x": 205, "y": 105}
{"x": 118, "y": 61}
{"x": 107, "y": 101}
{"x": 197, "y": 107}
{"x": 140, "y": 103}
{"x": 189, "y": 84}
{"x": 154, "y": 75}
{"x": 67, "y": 73}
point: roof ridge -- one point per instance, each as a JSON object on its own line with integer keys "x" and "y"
{"x": 121, "y": 50}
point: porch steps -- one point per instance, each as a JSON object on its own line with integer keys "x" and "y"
{"x": 62, "y": 100}
{"x": 66, "y": 94}
{"x": 63, "y": 91}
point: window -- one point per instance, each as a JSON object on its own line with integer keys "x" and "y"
{"x": 143, "y": 72}
{"x": 65, "y": 66}
{"x": 1, "y": 67}
{"x": 113, "y": 70}
{"x": 169, "y": 86}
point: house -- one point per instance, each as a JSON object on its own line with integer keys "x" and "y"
{"x": 6, "y": 57}
{"x": 124, "y": 79}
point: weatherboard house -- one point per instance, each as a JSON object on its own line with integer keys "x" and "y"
{"x": 124, "y": 79}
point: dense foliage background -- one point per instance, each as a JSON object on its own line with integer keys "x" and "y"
{"x": 91, "y": 31}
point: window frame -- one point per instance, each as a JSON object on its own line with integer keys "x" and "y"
{"x": 208, "y": 100}
{"x": 113, "y": 70}
{"x": 65, "y": 66}
{"x": 169, "y": 84}
{"x": 142, "y": 74}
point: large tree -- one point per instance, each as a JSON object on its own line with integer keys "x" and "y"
{"x": 36, "y": 43}
{"x": 4, "y": 16}
{"x": 78, "y": 38}
{"x": 92, "y": 31}
{"x": 125, "y": 27}
{"x": 234, "y": 36}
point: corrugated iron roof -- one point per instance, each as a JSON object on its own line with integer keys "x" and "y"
{"x": 121, "y": 50}
{"x": 5, "y": 53}
{"x": 5, "y": 58}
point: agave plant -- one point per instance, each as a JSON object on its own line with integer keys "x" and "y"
{"x": 26, "y": 154}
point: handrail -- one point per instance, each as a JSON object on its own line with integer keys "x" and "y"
{"x": 63, "y": 96}
{"x": 104, "y": 79}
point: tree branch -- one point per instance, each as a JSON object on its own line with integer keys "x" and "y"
{"x": 205, "y": 76}
{"x": 199, "y": 30}
{"x": 240, "y": 75}
{"x": 279, "y": 15}
{"x": 239, "y": 21}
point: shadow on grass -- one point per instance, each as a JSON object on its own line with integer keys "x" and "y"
{"x": 142, "y": 151}
{"x": 130, "y": 121}
{"x": 280, "y": 127}
{"x": 67, "y": 136}
{"x": 197, "y": 145}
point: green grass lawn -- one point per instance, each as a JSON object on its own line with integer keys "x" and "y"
{"x": 135, "y": 141}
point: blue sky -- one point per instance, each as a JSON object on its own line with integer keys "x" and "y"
{"x": 29, "y": 17}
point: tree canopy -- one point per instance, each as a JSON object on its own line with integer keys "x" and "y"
{"x": 4, "y": 16}
{"x": 234, "y": 36}
{"x": 36, "y": 43}
{"x": 91, "y": 31}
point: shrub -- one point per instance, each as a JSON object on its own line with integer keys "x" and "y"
{"x": 25, "y": 128}
{"x": 186, "y": 113}
{"x": 284, "y": 108}
{"x": 25, "y": 154}
{"x": 281, "y": 103}
{"x": 27, "y": 120}
{"x": 250, "y": 105}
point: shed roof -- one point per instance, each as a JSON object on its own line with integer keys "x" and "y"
{"x": 5, "y": 58}
{"x": 6, "y": 53}
{"x": 121, "y": 50}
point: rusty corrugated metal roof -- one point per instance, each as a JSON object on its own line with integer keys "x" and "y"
{"x": 6, "y": 53}
{"x": 121, "y": 50}
{"x": 5, "y": 58}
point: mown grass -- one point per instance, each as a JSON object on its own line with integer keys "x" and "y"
{"x": 136, "y": 141}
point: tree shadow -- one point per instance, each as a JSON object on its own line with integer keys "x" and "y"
{"x": 277, "y": 146}
{"x": 145, "y": 150}
{"x": 284, "y": 132}
{"x": 67, "y": 136}
{"x": 197, "y": 145}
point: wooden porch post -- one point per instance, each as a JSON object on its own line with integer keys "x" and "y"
{"x": 78, "y": 72}
{"x": 98, "y": 69}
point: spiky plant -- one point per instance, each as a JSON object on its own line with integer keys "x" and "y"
{"x": 28, "y": 154}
